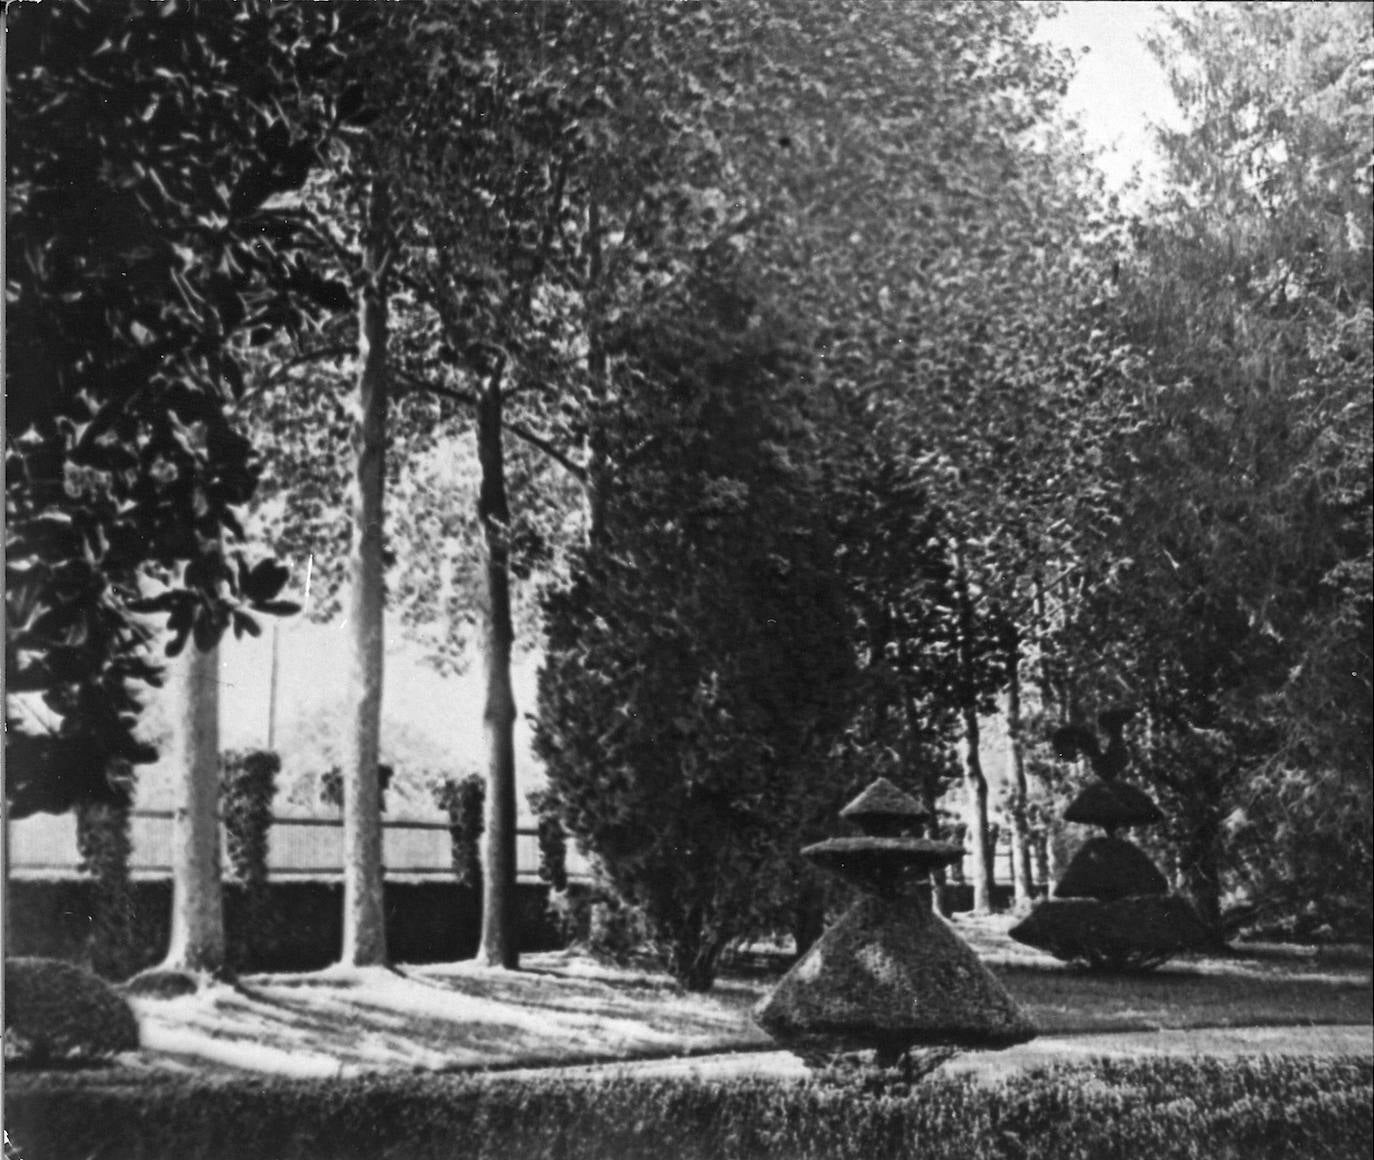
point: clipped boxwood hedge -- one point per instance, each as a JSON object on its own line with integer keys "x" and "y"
{"x": 1258, "y": 1108}
{"x": 297, "y": 925}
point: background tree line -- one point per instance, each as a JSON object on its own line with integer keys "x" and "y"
{"x": 781, "y": 370}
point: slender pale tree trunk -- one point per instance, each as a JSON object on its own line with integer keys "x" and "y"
{"x": 598, "y": 368}
{"x": 976, "y": 792}
{"x": 1020, "y": 837}
{"x": 1041, "y": 847}
{"x": 939, "y": 879}
{"x": 364, "y": 924}
{"x": 498, "y": 946}
{"x": 197, "y": 939}
{"x": 975, "y": 783}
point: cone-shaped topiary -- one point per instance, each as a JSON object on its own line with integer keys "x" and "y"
{"x": 1108, "y": 869}
{"x": 884, "y": 811}
{"x": 1125, "y": 934}
{"x": 889, "y": 985}
{"x": 56, "y": 1013}
{"x": 889, "y": 977}
{"x": 1111, "y": 908}
{"x": 1110, "y": 804}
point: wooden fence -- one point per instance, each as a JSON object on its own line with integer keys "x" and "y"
{"x": 297, "y": 846}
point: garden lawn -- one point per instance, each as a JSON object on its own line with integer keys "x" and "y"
{"x": 564, "y": 1008}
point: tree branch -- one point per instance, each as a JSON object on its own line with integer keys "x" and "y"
{"x": 338, "y": 350}
{"x": 571, "y": 466}
{"x": 412, "y": 385}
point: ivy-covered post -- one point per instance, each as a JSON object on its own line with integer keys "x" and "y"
{"x": 553, "y": 842}
{"x": 464, "y": 800}
{"x": 248, "y": 783}
{"x": 103, "y": 840}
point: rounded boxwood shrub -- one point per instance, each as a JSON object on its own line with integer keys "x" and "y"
{"x": 57, "y": 1013}
{"x": 1124, "y": 934}
{"x": 161, "y": 983}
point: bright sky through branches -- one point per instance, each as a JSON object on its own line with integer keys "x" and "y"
{"x": 1119, "y": 89}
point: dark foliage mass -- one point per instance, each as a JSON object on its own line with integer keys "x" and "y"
{"x": 58, "y": 1014}
{"x": 1134, "y": 933}
{"x": 1172, "y": 1109}
{"x": 144, "y": 145}
{"x": 698, "y": 660}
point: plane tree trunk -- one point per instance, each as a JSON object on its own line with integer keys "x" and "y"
{"x": 498, "y": 946}
{"x": 197, "y": 938}
{"x": 364, "y": 926}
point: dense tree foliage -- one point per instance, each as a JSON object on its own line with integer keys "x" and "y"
{"x": 142, "y": 151}
{"x": 699, "y": 662}
{"x": 942, "y": 239}
{"x": 1231, "y": 592}
{"x": 791, "y": 340}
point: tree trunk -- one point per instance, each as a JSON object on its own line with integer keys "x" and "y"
{"x": 197, "y": 938}
{"x": 976, "y": 789}
{"x": 808, "y": 916}
{"x": 1200, "y": 867}
{"x": 364, "y": 920}
{"x": 1020, "y": 837}
{"x": 1041, "y": 846}
{"x": 975, "y": 783}
{"x": 693, "y": 954}
{"x": 598, "y": 375}
{"x": 939, "y": 879}
{"x": 498, "y": 947}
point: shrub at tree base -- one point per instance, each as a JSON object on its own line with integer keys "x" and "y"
{"x": 1260, "y": 1108}
{"x": 57, "y": 1013}
{"x": 1121, "y": 935}
{"x": 157, "y": 983}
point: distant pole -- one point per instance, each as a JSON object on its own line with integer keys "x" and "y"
{"x": 272, "y": 690}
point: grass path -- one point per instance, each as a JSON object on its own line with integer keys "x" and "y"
{"x": 563, "y": 1008}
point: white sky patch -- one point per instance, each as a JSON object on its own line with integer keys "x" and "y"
{"x": 1119, "y": 90}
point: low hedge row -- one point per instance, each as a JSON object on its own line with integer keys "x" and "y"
{"x": 297, "y": 927}
{"x": 1260, "y": 1108}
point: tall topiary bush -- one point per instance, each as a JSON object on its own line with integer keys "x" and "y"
{"x": 553, "y": 842}
{"x": 1111, "y": 909}
{"x": 464, "y": 800}
{"x": 248, "y": 783}
{"x": 104, "y": 842}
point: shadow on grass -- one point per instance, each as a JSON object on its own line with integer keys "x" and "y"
{"x": 1066, "y": 1001}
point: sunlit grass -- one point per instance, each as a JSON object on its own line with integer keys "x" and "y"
{"x": 566, "y": 1008}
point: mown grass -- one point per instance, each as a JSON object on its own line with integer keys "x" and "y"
{"x": 563, "y": 1009}
{"x": 1065, "y": 1002}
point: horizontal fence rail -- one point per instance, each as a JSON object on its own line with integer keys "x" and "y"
{"x": 296, "y": 846}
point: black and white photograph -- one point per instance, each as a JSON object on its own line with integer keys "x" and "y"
{"x": 688, "y": 579}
